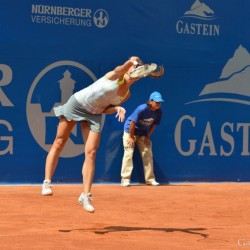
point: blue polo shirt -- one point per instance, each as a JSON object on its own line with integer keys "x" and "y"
{"x": 144, "y": 118}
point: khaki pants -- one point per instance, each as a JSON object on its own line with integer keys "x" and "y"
{"x": 146, "y": 155}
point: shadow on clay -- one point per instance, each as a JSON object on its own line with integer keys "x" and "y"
{"x": 112, "y": 229}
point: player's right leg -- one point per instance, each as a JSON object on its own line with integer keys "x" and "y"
{"x": 127, "y": 162}
{"x": 62, "y": 135}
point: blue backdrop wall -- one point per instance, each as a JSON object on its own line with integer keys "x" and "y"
{"x": 50, "y": 49}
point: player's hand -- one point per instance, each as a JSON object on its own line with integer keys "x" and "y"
{"x": 131, "y": 142}
{"x": 136, "y": 60}
{"x": 120, "y": 113}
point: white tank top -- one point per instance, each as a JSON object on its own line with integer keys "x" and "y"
{"x": 98, "y": 96}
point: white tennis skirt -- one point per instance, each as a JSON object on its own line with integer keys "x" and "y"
{"x": 72, "y": 110}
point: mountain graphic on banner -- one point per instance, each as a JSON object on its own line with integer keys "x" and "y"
{"x": 200, "y": 10}
{"x": 234, "y": 81}
{"x": 235, "y": 76}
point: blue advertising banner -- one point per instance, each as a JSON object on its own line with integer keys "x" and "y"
{"x": 51, "y": 49}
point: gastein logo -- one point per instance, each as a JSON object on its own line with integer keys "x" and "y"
{"x": 101, "y": 18}
{"x": 234, "y": 82}
{"x": 52, "y": 87}
{"x": 217, "y": 136}
{"x": 197, "y": 21}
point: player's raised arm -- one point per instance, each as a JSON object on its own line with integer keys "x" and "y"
{"x": 121, "y": 70}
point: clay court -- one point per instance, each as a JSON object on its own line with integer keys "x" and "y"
{"x": 176, "y": 216}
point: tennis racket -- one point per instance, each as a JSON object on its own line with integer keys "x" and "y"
{"x": 143, "y": 70}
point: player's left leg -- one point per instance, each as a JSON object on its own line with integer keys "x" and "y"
{"x": 147, "y": 160}
{"x": 92, "y": 141}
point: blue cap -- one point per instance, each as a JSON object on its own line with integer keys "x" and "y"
{"x": 156, "y": 96}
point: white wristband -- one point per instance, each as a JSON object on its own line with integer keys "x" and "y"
{"x": 135, "y": 63}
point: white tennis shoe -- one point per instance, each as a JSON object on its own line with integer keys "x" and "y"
{"x": 46, "y": 188}
{"x": 153, "y": 183}
{"x": 125, "y": 183}
{"x": 85, "y": 201}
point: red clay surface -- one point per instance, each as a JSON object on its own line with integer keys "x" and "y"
{"x": 179, "y": 216}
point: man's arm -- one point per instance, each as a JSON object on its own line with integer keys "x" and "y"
{"x": 151, "y": 130}
{"x": 131, "y": 139}
{"x": 147, "y": 140}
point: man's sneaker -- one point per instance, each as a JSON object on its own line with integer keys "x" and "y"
{"x": 153, "y": 183}
{"x": 85, "y": 201}
{"x": 126, "y": 183}
{"x": 46, "y": 188}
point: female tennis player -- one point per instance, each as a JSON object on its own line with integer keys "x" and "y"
{"x": 87, "y": 106}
